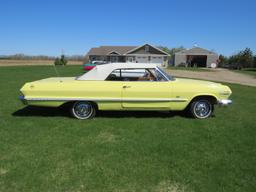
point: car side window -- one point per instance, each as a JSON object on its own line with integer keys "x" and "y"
{"x": 115, "y": 75}
{"x": 135, "y": 75}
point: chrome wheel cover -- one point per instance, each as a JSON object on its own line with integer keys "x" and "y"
{"x": 202, "y": 109}
{"x": 83, "y": 110}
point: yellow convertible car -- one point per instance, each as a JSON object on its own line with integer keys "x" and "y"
{"x": 126, "y": 86}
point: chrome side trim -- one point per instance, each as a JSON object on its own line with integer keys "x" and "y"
{"x": 109, "y": 99}
{"x": 225, "y": 102}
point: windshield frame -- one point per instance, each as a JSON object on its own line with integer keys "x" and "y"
{"x": 166, "y": 75}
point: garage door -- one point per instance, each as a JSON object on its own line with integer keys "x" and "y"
{"x": 141, "y": 59}
{"x": 158, "y": 60}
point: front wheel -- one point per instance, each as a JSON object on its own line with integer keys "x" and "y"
{"x": 83, "y": 110}
{"x": 201, "y": 109}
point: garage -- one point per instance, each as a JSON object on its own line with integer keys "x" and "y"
{"x": 142, "y": 59}
{"x": 197, "y": 60}
{"x": 196, "y": 57}
{"x": 157, "y": 60}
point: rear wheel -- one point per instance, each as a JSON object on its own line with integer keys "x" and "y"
{"x": 201, "y": 108}
{"x": 83, "y": 110}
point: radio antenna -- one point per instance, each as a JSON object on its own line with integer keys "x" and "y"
{"x": 54, "y": 66}
{"x": 56, "y": 71}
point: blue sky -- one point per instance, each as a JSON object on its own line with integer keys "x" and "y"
{"x": 48, "y": 27}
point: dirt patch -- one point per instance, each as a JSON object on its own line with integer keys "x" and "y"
{"x": 168, "y": 186}
{"x": 220, "y": 75}
{"x": 106, "y": 137}
{"x": 3, "y": 171}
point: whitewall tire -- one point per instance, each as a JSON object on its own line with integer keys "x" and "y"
{"x": 201, "y": 109}
{"x": 83, "y": 110}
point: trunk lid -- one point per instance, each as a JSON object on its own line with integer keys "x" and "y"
{"x": 55, "y": 80}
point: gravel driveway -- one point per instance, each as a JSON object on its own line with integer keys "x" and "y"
{"x": 222, "y": 75}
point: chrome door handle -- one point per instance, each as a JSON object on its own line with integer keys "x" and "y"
{"x": 126, "y": 86}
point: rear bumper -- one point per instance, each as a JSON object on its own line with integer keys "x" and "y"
{"x": 225, "y": 102}
{"x": 23, "y": 100}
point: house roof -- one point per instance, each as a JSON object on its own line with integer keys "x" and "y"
{"x": 195, "y": 51}
{"x": 120, "y": 50}
{"x": 101, "y": 72}
{"x": 106, "y": 50}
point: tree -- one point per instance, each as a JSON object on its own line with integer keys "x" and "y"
{"x": 175, "y": 50}
{"x": 61, "y": 61}
{"x": 246, "y": 58}
{"x": 165, "y": 49}
{"x": 243, "y": 59}
{"x": 233, "y": 62}
{"x": 57, "y": 61}
{"x": 171, "y": 52}
{"x": 223, "y": 61}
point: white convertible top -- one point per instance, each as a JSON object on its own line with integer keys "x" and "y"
{"x": 101, "y": 72}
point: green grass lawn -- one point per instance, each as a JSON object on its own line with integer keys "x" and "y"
{"x": 46, "y": 150}
{"x": 248, "y": 71}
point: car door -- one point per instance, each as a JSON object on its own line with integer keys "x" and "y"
{"x": 146, "y": 94}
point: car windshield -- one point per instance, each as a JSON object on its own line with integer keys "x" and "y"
{"x": 169, "y": 77}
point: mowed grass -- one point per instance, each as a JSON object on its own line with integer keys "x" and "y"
{"x": 46, "y": 150}
{"x": 248, "y": 71}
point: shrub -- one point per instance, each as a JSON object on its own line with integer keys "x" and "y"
{"x": 182, "y": 65}
{"x": 61, "y": 61}
{"x": 57, "y": 61}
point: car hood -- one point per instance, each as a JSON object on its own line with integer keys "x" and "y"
{"x": 196, "y": 82}
{"x": 203, "y": 85}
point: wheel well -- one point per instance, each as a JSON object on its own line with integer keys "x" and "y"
{"x": 210, "y": 98}
{"x": 70, "y": 103}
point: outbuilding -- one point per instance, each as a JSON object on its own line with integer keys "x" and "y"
{"x": 196, "y": 57}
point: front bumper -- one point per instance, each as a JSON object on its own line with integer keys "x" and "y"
{"x": 23, "y": 100}
{"x": 225, "y": 102}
